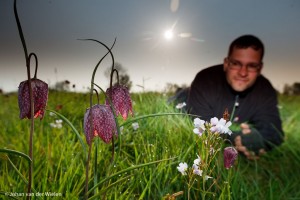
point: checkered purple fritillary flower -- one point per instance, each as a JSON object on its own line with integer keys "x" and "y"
{"x": 121, "y": 100}
{"x": 104, "y": 124}
{"x": 40, "y": 97}
{"x": 230, "y": 155}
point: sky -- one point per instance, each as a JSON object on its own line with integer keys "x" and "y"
{"x": 202, "y": 31}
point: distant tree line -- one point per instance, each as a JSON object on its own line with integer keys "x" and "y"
{"x": 63, "y": 86}
{"x": 173, "y": 88}
{"x": 124, "y": 78}
{"x": 293, "y": 89}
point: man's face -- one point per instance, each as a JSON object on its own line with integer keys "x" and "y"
{"x": 242, "y": 68}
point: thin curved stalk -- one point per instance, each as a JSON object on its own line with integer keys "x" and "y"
{"x": 20, "y": 174}
{"x": 36, "y": 63}
{"x": 87, "y": 173}
{"x": 117, "y": 123}
{"x": 27, "y": 58}
{"x": 155, "y": 115}
{"x": 18, "y": 153}
{"x": 91, "y": 113}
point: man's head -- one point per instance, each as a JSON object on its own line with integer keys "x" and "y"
{"x": 244, "y": 62}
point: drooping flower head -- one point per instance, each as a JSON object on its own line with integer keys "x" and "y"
{"x": 104, "y": 124}
{"x": 230, "y": 155}
{"x": 121, "y": 100}
{"x": 40, "y": 97}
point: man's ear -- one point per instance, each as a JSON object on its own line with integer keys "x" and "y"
{"x": 261, "y": 67}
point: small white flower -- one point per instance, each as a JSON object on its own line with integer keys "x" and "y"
{"x": 199, "y": 126}
{"x": 58, "y": 126}
{"x": 53, "y": 125}
{"x": 52, "y": 114}
{"x": 220, "y": 126}
{"x": 198, "y": 122}
{"x": 197, "y": 131}
{"x": 182, "y": 168}
{"x": 196, "y": 170}
{"x": 197, "y": 161}
{"x": 135, "y": 126}
{"x": 58, "y": 121}
{"x": 224, "y": 126}
{"x": 180, "y": 105}
{"x": 214, "y": 121}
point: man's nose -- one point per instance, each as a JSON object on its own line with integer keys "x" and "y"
{"x": 243, "y": 71}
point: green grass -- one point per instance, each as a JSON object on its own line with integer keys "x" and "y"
{"x": 59, "y": 159}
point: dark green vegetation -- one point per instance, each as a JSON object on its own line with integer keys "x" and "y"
{"x": 59, "y": 159}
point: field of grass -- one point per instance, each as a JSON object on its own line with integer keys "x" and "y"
{"x": 146, "y": 160}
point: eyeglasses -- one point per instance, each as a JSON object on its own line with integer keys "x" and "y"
{"x": 237, "y": 65}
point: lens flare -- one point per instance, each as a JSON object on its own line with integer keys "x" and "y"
{"x": 169, "y": 34}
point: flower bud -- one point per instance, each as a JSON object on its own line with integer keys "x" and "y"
{"x": 121, "y": 100}
{"x": 104, "y": 124}
{"x": 230, "y": 155}
{"x": 40, "y": 97}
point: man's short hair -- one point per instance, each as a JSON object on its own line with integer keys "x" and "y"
{"x": 246, "y": 41}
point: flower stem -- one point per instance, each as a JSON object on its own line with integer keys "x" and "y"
{"x": 115, "y": 117}
{"x": 27, "y": 58}
{"x": 91, "y": 111}
{"x": 87, "y": 173}
{"x": 95, "y": 165}
{"x": 117, "y": 123}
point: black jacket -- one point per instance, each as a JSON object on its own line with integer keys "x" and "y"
{"x": 210, "y": 95}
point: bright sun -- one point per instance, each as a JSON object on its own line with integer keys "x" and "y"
{"x": 169, "y": 34}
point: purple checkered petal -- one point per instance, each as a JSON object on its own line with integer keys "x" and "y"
{"x": 121, "y": 100}
{"x": 40, "y": 98}
{"x": 104, "y": 124}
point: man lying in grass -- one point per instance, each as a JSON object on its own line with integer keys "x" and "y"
{"x": 238, "y": 85}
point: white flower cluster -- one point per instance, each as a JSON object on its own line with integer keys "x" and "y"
{"x": 57, "y": 123}
{"x": 196, "y": 169}
{"x": 183, "y": 168}
{"x": 216, "y": 126}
